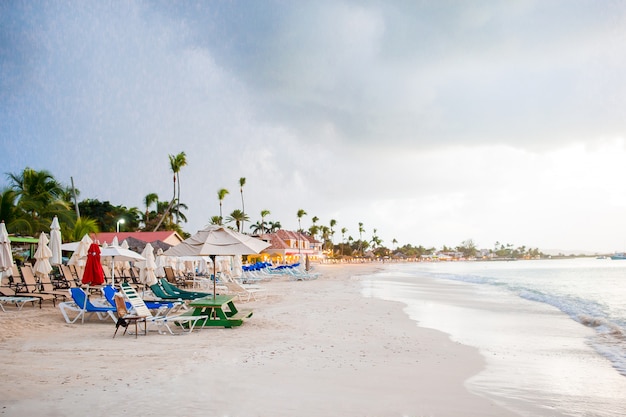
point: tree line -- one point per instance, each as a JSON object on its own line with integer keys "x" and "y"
{"x": 32, "y": 198}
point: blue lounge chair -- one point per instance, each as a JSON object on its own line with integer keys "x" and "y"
{"x": 109, "y": 293}
{"x": 83, "y": 306}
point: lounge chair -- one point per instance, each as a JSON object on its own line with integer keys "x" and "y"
{"x": 7, "y": 296}
{"x": 67, "y": 275}
{"x": 174, "y": 290}
{"x": 166, "y": 291}
{"x": 46, "y": 287}
{"x": 83, "y": 307}
{"x": 28, "y": 287}
{"x": 245, "y": 292}
{"x": 161, "y": 322}
{"x": 171, "y": 276}
{"x": 161, "y": 306}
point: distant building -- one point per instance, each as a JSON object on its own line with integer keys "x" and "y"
{"x": 287, "y": 246}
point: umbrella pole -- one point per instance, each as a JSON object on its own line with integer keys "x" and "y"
{"x": 85, "y": 306}
{"x": 113, "y": 271}
{"x": 214, "y": 276}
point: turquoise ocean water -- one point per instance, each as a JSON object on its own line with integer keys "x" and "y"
{"x": 552, "y": 332}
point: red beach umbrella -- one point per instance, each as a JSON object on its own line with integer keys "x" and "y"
{"x": 93, "y": 275}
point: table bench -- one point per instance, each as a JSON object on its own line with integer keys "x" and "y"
{"x": 220, "y": 311}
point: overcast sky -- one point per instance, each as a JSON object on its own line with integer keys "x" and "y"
{"x": 432, "y": 122}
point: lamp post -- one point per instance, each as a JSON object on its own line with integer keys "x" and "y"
{"x": 118, "y": 225}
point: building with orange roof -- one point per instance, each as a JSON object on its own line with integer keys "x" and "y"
{"x": 288, "y": 246}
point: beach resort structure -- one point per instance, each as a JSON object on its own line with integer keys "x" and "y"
{"x": 288, "y": 247}
{"x": 137, "y": 240}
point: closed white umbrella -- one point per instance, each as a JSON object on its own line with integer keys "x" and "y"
{"x": 42, "y": 256}
{"x": 81, "y": 249}
{"x": 55, "y": 242}
{"x": 161, "y": 261}
{"x": 148, "y": 267}
{"x": 6, "y": 257}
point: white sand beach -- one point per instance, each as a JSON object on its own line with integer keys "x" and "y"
{"x": 312, "y": 348}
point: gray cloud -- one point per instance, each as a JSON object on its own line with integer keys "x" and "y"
{"x": 424, "y": 120}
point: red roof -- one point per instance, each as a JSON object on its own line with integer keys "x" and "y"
{"x": 167, "y": 236}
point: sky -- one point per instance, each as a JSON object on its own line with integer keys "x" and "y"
{"x": 433, "y": 122}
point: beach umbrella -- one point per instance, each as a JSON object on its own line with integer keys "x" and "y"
{"x": 202, "y": 266}
{"x": 119, "y": 254}
{"x": 147, "y": 267}
{"x": 55, "y": 241}
{"x": 80, "y": 250}
{"x": 237, "y": 267}
{"x": 93, "y": 274}
{"x": 217, "y": 241}
{"x": 161, "y": 261}
{"x": 42, "y": 256}
{"x": 6, "y": 257}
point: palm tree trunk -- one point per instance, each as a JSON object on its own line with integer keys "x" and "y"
{"x": 165, "y": 213}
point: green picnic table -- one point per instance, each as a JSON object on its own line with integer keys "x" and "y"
{"x": 220, "y": 310}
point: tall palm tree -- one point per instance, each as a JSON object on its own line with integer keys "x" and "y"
{"x": 343, "y": 238}
{"x": 314, "y": 229}
{"x": 264, "y": 213}
{"x": 176, "y": 163}
{"x": 221, "y": 193}
{"x": 242, "y": 182}
{"x": 361, "y": 231}
{"x": 333, "y": 223}
{"x": 300, "y": 214}
{"x": 238, "y": 217}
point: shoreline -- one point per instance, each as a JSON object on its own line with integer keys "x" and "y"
{"x": 311, "y": 348}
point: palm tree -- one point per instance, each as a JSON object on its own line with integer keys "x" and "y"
{"x": 176, "y": 163}
{"x": 394, "y": 242}
{"x": 263, "y": 214}
{"x": 149, "y": 200}
{"x": 217, "y": 220}
{"x": 8, "y": 211}
{"x": 300, "y": 213}
{"x": 333, "y": 223}
{"x": 238, "y": 217}
{"x": 361, "y": 231}
{"x": 221, "y": 193}
{"x": 242, "y": 182}
{"x": 38, "y": 197}
{"x": 83, "y": 226}
{"x": 343, "y": 238}
{"x": 274, "y": 226}
{"x": 314, "y": 229}
{"x": 257, "y": 227}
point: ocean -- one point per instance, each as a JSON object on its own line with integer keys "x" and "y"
{"x": 552, "y": 332}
